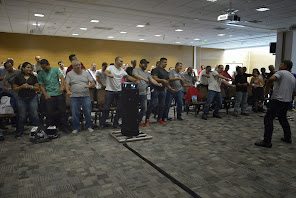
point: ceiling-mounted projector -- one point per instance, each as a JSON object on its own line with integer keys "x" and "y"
{"x": 229, "y": 17}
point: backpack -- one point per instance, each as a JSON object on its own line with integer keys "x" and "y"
{"x": 37, "y": 135}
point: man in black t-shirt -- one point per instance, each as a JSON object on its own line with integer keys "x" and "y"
{"x": 241, "y": 97}
{"x": 158, "y": 93}
{"x": 130, "y": 69}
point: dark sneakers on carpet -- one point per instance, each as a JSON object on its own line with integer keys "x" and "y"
{"x": 263, "y": 144}
{"x": 204, "y": 117}
{"x": 216, "y": 116}
{"x": 289, "y": 141}
{"x": 19, "y": 135}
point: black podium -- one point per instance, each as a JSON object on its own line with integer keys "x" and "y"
{"x": 130, "y": 109}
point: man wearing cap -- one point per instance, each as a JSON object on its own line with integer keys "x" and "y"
{"x": 114, "y": 74}
{"x": 145, "y": 78}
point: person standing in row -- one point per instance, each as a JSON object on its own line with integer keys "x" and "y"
{"x": 114, "y": 74}
{"x": 101, "y": 77}
{"x": 78, "y": 82}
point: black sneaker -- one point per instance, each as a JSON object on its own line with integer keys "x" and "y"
{"x": 1, "y": 138}
{"x": 19, "y": 135}
{"x": 289, "y": 141}
{"x": 180, "y": 118}
{"x": 263, "y": 144}
{"x": 204, "y": 117}
{"x": 216, "y": 116}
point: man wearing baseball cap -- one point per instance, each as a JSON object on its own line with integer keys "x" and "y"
{"x": 145, "y": 78}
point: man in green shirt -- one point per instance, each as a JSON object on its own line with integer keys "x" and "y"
{"x": 52, "y": 94}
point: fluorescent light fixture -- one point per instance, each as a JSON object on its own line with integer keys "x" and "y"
{"x": 263, "y": 9}
{"x": 140, "y": 25}
{"x": 178, "y": 42}
{"x": 110, "y": 37}
{"x": 36, "y": 24}
{"x": 39, "y": 15}
{"x": 157, "y": 35}
{"x": 123, "y": 32}
{"x": 221, "y": 35}
{"x": 235, "y": 25}
{"x": 212, "y": 0}
{"x": 196, "y": 39}
{"x": 94, "y": 21}
{"x": 83, "y": 28}
{"x": 179, "y": 30}
{"x": 141, "y": 39}
{"x": 75, "y": 34}
{"x": 191, "y": 42}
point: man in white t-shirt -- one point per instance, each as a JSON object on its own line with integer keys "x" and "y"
{"x": 114, "y": 74}
{"x": 202, "y": 77}
{"x": 62, "y": 68}
{"x": 101, "y": 77}
{"x": 214, "y": 91}
{"x": 93, "y": 71}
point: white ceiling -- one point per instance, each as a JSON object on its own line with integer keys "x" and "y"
{"x": 65, "y": 17}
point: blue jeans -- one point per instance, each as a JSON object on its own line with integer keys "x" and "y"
{"x": 241, "y": 98}
{"x": 109, "y": 97}
{"x": 143, "y": 106}
{"x": 160, "y": 95}
{"x": 75, "y": 104}
{"x": 178, "y": 96}
{"x": 213, "y": 95}
{"x": 25, "y": 104}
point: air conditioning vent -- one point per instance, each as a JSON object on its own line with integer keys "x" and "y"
{"x": 102, "y": 28}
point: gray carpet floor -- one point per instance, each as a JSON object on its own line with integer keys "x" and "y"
{"x": 214, "y": 158}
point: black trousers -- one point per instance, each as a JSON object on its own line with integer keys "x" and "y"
{"x": 276, "y": 109}
{"x": 55, "y": 109}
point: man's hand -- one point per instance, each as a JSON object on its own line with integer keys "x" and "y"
{"x": 228, "y": 79}
{"x": 104, "y": 85}
{"x": 165, "y": 81}
{"x": 26, "y": 86}
{"x": 159, "y": 84}
{"x": 233, "y": 86}
{"x": 137, "y": 81}
{"x": 69, "y": 93}
{"x": 110, "y": 76}
{"x": 61, "y": 90}
{"x": 146, "y": 80}
{"x": 173, "y": 90}
{"x": 47, "y": 97}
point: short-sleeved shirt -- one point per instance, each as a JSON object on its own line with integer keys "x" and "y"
{"x": 241, "y": 79}
{"x": 202, "y": 79}
{"x": 177, "y": 84}
{"x": 26, "y": 92}
{"x": 227, "y": 75}
{"x": 142, "y": 85}
{"x": 37, "y": 68}
{"x": 161, "y": 74}
{"x": 214, "y": 82}
{"x": 9, "y": 77}
{"x": 191, "y": 81}
{"x": 103, "y": 78}
{"x": 50, "y": 81}
{"x": 78, "y": 82}
{"x": 63, "y": 71}
{"x": 284, "y": 86}
{"x": 114, "y": 84}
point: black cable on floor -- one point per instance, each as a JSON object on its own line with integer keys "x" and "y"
{"x": 175, "y": 181}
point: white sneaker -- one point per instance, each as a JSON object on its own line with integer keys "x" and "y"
{"x": 90, "y": 130}
{"x": 74, "y": 131}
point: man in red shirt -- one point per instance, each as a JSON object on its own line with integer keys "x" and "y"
{"x": 226, "y": 74}
{"x": 71, "y": 58}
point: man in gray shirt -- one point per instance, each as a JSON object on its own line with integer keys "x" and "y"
{"x": 101, "y": 77}
{"x": 145, "y": 78}
{"x": 283, "y": 88}
{"x": 176, "y": 82}
{"x": 78, "y": 82}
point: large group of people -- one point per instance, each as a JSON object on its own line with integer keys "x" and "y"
{"x": 43, "y": 88}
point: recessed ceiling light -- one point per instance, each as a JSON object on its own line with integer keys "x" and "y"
{"x": 221, "y": 35}
{"x": 140, "y": 26}
{"x": 36, "y": 24}
{"x": 39, "y": 15}
{"x": 191, "y": 42}
{"x": 212, "y": 0}
{"x": 141, "y": 39}
{"x": 75, "y": 34}
{"x": 110, "y": 37}
{"x": 157, "y": 35}
{"x": 83, "y": 28}
{"x": 196, "y": 39}
{"x": 123, "y": 32}
{"x": 263, "y": 9}
{"x": 178, "y": 42}
{"x": 179, "y": 30}
{"x": 235, "y": 25}
{"x": 94, "y": 21}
